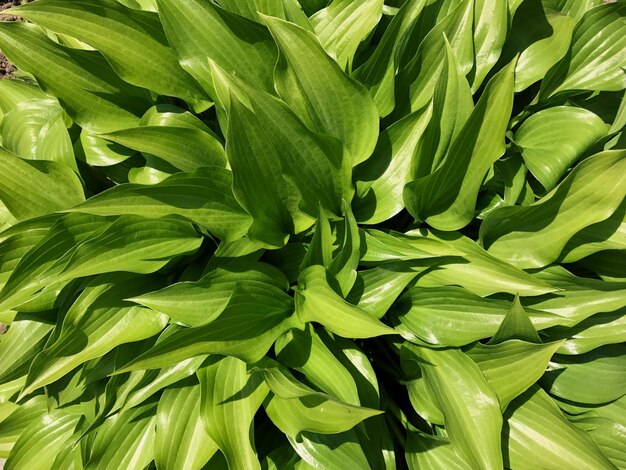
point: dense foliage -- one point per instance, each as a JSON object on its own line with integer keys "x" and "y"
{"x": 293, "y": 234}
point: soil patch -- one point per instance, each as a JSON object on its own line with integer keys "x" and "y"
{"x": 6, "y": 67}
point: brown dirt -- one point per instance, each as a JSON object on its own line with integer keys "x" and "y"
{"x": 6, "y": 67}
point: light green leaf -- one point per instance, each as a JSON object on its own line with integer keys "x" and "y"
{"x": 204, "y": 197}
{"x": 91, "y": 93}
{"x": 332, "y": 104}
{"x": 516, "y": 325}
{"x": 343, "y": 267}
{"x": 394, "y": 246}
{"x": 316, "y": 301}
{"x": 426, "y": 451}
{"x": 229, "y": 399}
{"x": 534, "y": 236}
{"x": 30, "y": 188}
{"x": 596, "y": 57}
{"x": 343, "y": 25}
{"x": 14, "y": 92}
{"x": 538, "y": 435}
{"x": 379, "y": 71}
{"x": 446, "y": 199}
{"x": 200, "y": 30}
{"x": 469, "y": 405}
{"x": 452, "y": 316}
{"x": 132, "y": 41}
{"x": 125, "y": 440}
{"x": 38, "y": 445}
{"x": 97, "y": 151}
{"x": 381, "y": 178}
{"x": 97, "y": 322}
{"x": 181, "y": 439}
{"x": 490, "y": 32}
{"x": 513, "y": 366}
{"x": 336, "y": 451}
{"x": 553, "y": 139}
{"x": 12, "y": 426}
{"x": 598, "y": 376}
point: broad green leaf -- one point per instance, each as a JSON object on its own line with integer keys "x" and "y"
{"x": 610, "y": 234}
{"x": 541, "y": 37}
{"x": 452, "y": 316}
{"x": 132, "y": 41}
{"x": 125, "y": 440}
{"x": 490, "y": 32}
{"x": 452, "y": 107}
{"x": 423, "y": 401}
{"x": 516, "y": 325}
{"x": 608, "y": 435}
{"x": 306, "y": 352}
{"x": 446, "y": 199}
{"x": 332, "y": 103}
{"x": 12, "y": 426}
{"x": 598, "y": 376}
{"x": 343, "y": 267}
{"x": 574, "y": 8}
{"x": 229, "y": 399}
{"x": 538, "y": 435}
{"x": 37, "y": 130}
{"x": 533, "y": 236}
{"x": 473, "y": 268}
{"x": 198, "y": 303}
{"x": 14, "y": 92}
{"x": 18, "y": 346}
{"x": 343, "y": 25}
{"x": 240, "y": 331}
{"x": 91, "y": 93}
{"x": 97, "y": 151}
{"x": 379, "y": 71}
{"x": 97, "y": 322}
{"x": 30, "y": 188}
{"x": 381, "y": 178}
{"x": 200, "y": 30}
{"x": 317, "y": 302}
{"x": 417, "y": 80}
{"x": 599, "y": 330}
{"x": 295, "y": 408}
{"x": 511, "y": 367}
{"x": 579, "y": 298}
{"x": 469, "y": 405}
{"x": 37, "y": 446}
{"x": 596, "y": 58}
{"x": 553, "y": 139}
{"x": 334, "y": 451}
{"x": 181, "y": 439}
{"x": 204, "y": 197}
{"x": 426, "y": 451}
{"x": 320, "y": 249}
{"x": 294, "y": 158}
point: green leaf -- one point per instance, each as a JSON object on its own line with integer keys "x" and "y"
{"x": 516, "y": 325}
{"x": 382, "y": 177}
{"x": 452, "y": 316}
{"x": 426, "y": 451}
{"x": 316, "y": 301}
{"x": 14, "y": 92}
{"x": 332, "y": 104}
{"x": 335, "y": 451}
{"x": 343, "y": 25}
{"x": 91, "y": 93}
{"x": 446, "y": 199}
{"x": 30, "y": 188}
{"x": 96, "y": 323}
{"x": 595, "y": 59}
{"x": 554, "y": 138}
{"x": 37, "y": 130}
{"x": 125, "y": 440}
{"x": 132, "y": 41}
{"x": 379, "y": 71}
{"x": 295, "y": 408}
{"x": 198, "y": 303}
{"x": 469, "y": 405}
{"x": 394, "y": 246}
{"x": 539, "y": 435}
{"x": 204, "y": 197}
{"x": 12, "y": 426}
{"x": 598, "y": 376}
{"x": 417, "y": 80}
{"x": 343, "y": 267}
{"x": 511, "y": 367}
{"x": 229, "y": 399}
{"x": 200, "y": 30}
{"x": 490, "y": 32}
{"x": 534, "y": 236}
{"x": 181, "y": 439}
{"x": 37, "y": 446}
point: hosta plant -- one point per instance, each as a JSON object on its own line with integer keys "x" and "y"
{"x": 307, "y": 234}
